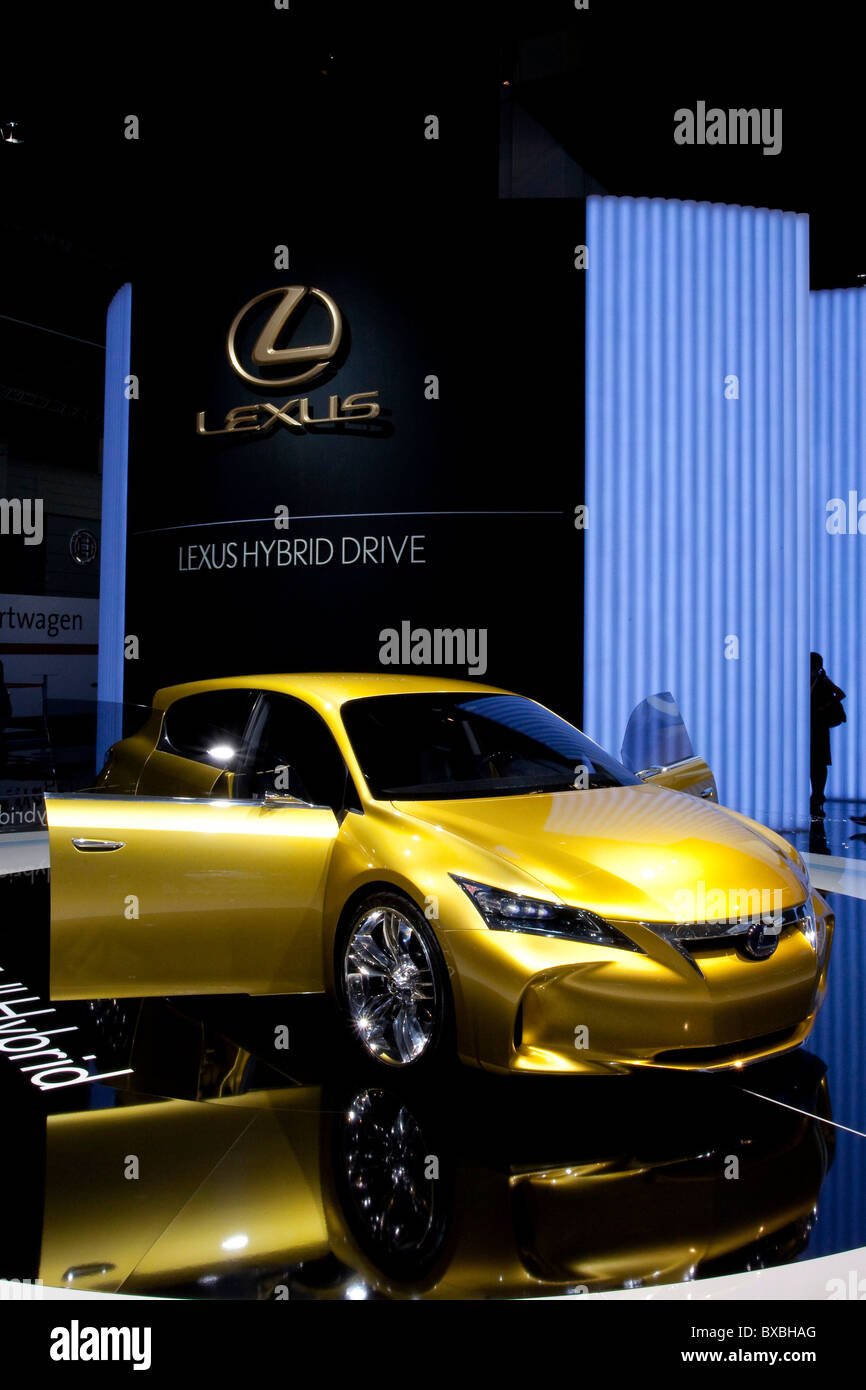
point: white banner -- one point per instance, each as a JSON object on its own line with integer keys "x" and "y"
{"x": 48, "y": 648}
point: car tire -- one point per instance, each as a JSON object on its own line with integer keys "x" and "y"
{"x": 398, "y": 1215}
{"x": 392, "y": 985}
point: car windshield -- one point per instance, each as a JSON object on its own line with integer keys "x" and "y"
{"x": 450, "y": 746}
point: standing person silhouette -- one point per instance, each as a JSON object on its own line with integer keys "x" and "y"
{"x": 826, "y": 712}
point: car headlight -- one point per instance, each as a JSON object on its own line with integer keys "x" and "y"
{"x": 815, "y": 931}
{"x": 793, "y": 856}
{"x": 512, "y": 912}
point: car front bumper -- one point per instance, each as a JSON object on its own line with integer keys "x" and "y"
{"x": 535, "y": 1004}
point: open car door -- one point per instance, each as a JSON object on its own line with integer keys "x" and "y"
{"x": 657, "y": 748}
{"x": 155, "y": 895}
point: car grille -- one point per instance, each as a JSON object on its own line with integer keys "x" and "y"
{"x": 695, "y": 938}
{"x": 712, "y": 1056}
{"x": 708, "y": 936}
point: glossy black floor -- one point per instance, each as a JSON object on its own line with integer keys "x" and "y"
{"x": 224, "y": 1166}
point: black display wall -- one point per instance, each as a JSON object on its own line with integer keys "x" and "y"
{"x": 486, "y": 478}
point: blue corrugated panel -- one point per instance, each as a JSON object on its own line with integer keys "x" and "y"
{"x": 112, "y": 571}
{"x": 697, "y": 482}
{"x": 839, "y": 520}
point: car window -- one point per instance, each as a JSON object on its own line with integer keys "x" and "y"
{"x": 208, "y": 727}
{"x": 292, "y": 750}
{"x": 450, "y": 746}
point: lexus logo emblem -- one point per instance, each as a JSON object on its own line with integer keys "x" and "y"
{"x": 303, "y": 362}
{"x": 761, "y": 940}
{"x": 265, "y": 354}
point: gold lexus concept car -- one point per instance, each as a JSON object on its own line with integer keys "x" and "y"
{"x": 455, "y": 864}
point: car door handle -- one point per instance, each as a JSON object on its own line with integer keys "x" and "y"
{"x": 85, "y": 1271}
{"x": 97, "y": 846}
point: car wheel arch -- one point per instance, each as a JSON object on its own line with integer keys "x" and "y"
{"x": 372, "y": 888}
{"x": 367, "y": 891}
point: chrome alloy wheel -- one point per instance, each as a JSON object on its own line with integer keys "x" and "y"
{"x": 391, "y": 986}
{"x": 397, "y": 1207}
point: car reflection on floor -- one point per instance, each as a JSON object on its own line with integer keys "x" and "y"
{"x": 243, "y": 1182}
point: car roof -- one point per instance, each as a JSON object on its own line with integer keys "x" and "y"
{"x": 327, "y": 689}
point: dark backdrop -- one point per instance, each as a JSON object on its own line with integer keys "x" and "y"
{"x": 482, "y": 294}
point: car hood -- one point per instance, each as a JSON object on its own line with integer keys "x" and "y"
{"x": 624, "y": 852}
